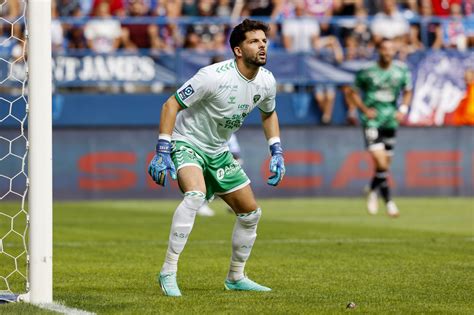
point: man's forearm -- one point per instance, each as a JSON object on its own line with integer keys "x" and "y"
{"x": 357, "y": 100}
{"x": 270, "y": 125}
{"x": 168, "y": 116}
{"x": 406, "y": 98}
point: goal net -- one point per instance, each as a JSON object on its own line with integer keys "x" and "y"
{"x": 13, "y": 150}
{"x": 25, "y": 151}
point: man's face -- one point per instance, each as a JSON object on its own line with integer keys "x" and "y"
{"x": 389, "y": 6}
{"x": 386, "y": 51}
{"x": 254, "y": 48}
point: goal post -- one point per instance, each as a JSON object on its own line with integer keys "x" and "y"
{"x": 40, "y": 169}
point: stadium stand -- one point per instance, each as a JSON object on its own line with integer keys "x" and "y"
{"x": 123, "y": 46}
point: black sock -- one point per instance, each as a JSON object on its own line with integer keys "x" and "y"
{"x": 385, "y": 190}
{"x": 379, "y": 177}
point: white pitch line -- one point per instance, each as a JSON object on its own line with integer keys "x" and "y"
{"x": 259, "y": 241}
{"x": 62, "y": 309}
{"x": 265, "y": 241}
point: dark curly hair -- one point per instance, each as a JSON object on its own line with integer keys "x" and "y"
{"x": 238, "y": 33}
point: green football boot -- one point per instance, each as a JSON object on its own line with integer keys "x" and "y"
{"x": 168, "y": 284}
{"x": 244, "y": 284}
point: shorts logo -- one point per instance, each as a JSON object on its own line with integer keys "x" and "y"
{"x": 371, "y": 134}
{"x": 186, "y": 92}
{"x": 220, "y": 174}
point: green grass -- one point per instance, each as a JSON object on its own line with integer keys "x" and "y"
{"x": 316, "y": 254}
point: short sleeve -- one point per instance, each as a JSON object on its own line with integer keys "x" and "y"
{"x": 194, "y": 90}
{"x": 268, "y": 104}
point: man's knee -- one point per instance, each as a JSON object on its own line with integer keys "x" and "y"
{"x": 194, "y": 199}
{"x": 250, "y": 220}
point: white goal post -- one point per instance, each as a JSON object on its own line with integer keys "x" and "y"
{"x": 40, "y": 169}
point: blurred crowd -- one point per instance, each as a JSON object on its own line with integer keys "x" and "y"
{"x": 348, "y": 29}
{"x": 336, "y": 30}
{"x": 344, "y": 29}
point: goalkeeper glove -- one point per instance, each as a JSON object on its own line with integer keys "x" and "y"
{"x": 277, "y": 164}
{"x": 162, "y": 163}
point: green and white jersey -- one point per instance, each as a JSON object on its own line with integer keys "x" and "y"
{"x": 216, "y": 101}
{"x": 381, "y": 88}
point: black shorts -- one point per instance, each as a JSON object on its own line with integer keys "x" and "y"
{"x": 380, "y": 138}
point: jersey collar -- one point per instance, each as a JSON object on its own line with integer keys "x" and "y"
{"x": 242, "y": 76}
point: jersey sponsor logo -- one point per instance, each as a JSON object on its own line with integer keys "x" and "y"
{"x": 385, "y": 95}
{"x": 186, "y": 92}
{"x": 234, "y": 122}
{"x": 256, "y": 98}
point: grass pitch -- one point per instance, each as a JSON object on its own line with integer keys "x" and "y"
{"x": 316, "y": 254}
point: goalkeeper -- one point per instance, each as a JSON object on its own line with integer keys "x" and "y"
{"x": 195, "y": 125}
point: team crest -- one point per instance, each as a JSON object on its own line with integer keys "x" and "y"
{"x": 186, "y": 92}
{"x": 256, "y": 98}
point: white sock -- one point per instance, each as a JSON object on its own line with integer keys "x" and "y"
{"x": 243, "y": 238}
{"x": 181, "y": 226}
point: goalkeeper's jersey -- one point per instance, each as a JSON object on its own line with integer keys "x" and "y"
{"x": 381, "y": 88}
{"x": 216, "y": 101}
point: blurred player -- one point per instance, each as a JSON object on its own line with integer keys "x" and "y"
{"x": 195, "y": 125}
{"x": 234, "y": 149}
{"x": 381, "y": 83}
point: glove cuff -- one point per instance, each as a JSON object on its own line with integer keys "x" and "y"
{"x": 163, "y": 146}
{"x": 164, "y": 136}
{"x": 273, "y": 140}
{"x": 276, "y": 148}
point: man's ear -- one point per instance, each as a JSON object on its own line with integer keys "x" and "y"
{"x": 238, "y": 51}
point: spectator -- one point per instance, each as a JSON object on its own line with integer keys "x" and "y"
{"x": 18, "y": 47}
{"x": 69, "y": 7}
{"x": 323, "y": 10}
{"x": 57, "y": 35}
{"x": 269, "y": 8}
{"x": 86, "y": 7}
{"x": 468, "y": 7}
{"x": 347, "y": 7}
{"x": 443, "y": 7}
{"x": 223, "y": 8}
{"x": 357, "y": 37}
{"x": 409, "y": 7}
{"x": 103, "y": 35}
{"x": 141, "y": 36}
{"x": 166, "y": 8}
{"x": 76, "y": 39}
{"x": 433, "y": 29}
{"x": 190, "y": 8}
{"x": 454, "y": 32}
{"x": 390, "y": 24}
{"x": 169, "y": 33}
{"x": 116, "y": 7}
{"x": 373, "y": 6}
{"x": 300, "y": 34}
{"x": 413, "y": 42}
{"x": 11, "y": 9}
{"x": 206, "y": 37}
